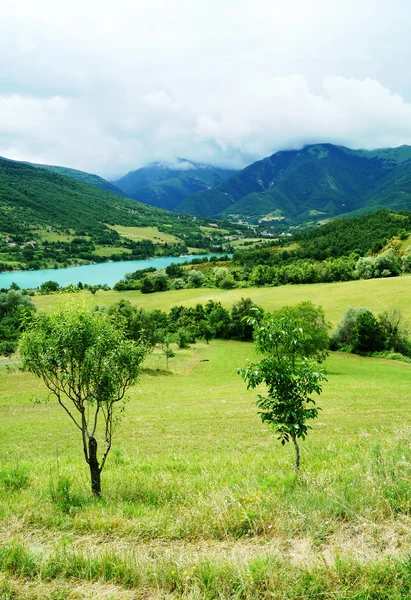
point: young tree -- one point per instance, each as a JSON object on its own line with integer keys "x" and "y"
{"x": 290, "y": 377}
{"x": 311, "y": 318}
{"x": 86, "y": 361}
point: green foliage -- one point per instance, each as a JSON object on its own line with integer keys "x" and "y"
{"x": 394, "y": 333}
{"x": 342, "y": 336}
{"x": 195, "y": 278}
{"x": 48, "y": 287}
{"x": 290, "y": 377}
{"x": 363, "y": 333}
{"x": 183, "y": 338}
{"x": 315, "y": 342}
{"x": 138, "y": 324}
{"x": 366, "y": 334}
{"x": 241, "y": 328}
{"x": 13, "y": 307}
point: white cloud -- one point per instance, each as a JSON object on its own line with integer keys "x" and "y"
{"x": 107, "y": 87}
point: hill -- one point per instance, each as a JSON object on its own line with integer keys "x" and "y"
{"x": 82, "y": 176}
{"x": 165, "y": 186}
{"x": 320, "y": 181}
{"x": 75, "y": 174}
{"x": 47, "y": 218}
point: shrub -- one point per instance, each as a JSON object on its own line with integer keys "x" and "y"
{"x": 342, "y": 336}
{"x": 364, "y": 268}
{"x": 367, "y": 335}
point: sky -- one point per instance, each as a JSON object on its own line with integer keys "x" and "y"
{"x": 107, "y": 87}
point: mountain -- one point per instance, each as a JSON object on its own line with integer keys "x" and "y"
{"x": 31, "y": 195}
{"x": 81, "y": 176}
{"x": 165, "y": 186}
{"x": 62, "y": 218}
{"x": 320, "y": 181}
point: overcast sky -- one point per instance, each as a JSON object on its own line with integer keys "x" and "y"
{"x": 107, "y": 87}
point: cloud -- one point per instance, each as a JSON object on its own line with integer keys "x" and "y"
{"x": 108, "y": 87}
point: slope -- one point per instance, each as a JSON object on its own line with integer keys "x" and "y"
{"x": 80, "y": 176}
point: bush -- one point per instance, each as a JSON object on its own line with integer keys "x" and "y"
{"x": 48, "y": 287}
{"x": 183, "y": 338}
{"x": 342, "y": 336}
{"x": 387, "y": 264}
{"x": 367, "y": 335}
{"x": 364, "y": 268}
{"x": 195, "y": 278}
{"x": 406, "y": 261}
{"x": 394, "y": 334}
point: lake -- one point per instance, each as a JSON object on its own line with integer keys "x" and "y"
{"x": 101, "y": 273}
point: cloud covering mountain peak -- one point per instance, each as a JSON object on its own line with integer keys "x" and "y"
{"x": 109, "y": 88}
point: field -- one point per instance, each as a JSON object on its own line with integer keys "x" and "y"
{"x": 109, "y": 251}
{"x": 199, "y": 499}
{"x": 376, "y": 294}
{"x": 247, "y": 243}
{"x": 145, "y": 233}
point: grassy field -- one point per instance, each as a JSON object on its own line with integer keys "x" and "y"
{"x": 199, "y": 499}
{"x": 213, "y": 230}
{"x": 145, "y": 233}
{"x": 376, "y": 294}
{"x": 54, "y": 236}
{"x": 244, "y": 243}
{"x": 109, "y": 251}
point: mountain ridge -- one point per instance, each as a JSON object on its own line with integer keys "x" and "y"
{"x": 165, "y": 185}
{"x": 319, "y": 181}
{"x": 76, "y": 174}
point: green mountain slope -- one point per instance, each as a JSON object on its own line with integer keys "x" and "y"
{"x": 320, "y": 181}
{"x": 43, "y": 209}
{"x": 81, "y": 176}
{"x": 165, "y": 187}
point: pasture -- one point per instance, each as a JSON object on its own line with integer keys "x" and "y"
{"x": 375, "y": 294}
{"x": 145, "y": 233}
{"x": 199, "y": 498}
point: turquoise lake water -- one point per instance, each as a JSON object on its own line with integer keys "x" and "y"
{"x": 101, "y": 273}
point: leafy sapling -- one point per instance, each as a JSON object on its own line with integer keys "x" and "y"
{"x": 88, "y": 364}
{"x": 291, "y": 370}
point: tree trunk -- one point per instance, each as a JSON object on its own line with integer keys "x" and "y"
{"x": 94, "y": 467}
{"x": 297, "y": 454}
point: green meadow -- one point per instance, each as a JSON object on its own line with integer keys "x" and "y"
{"x": 199, "y": 499}
{"x": 376, "y": 294}
{"x": 145, "y": 233}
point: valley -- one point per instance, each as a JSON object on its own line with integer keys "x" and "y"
{"x": 199, "y": 498}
